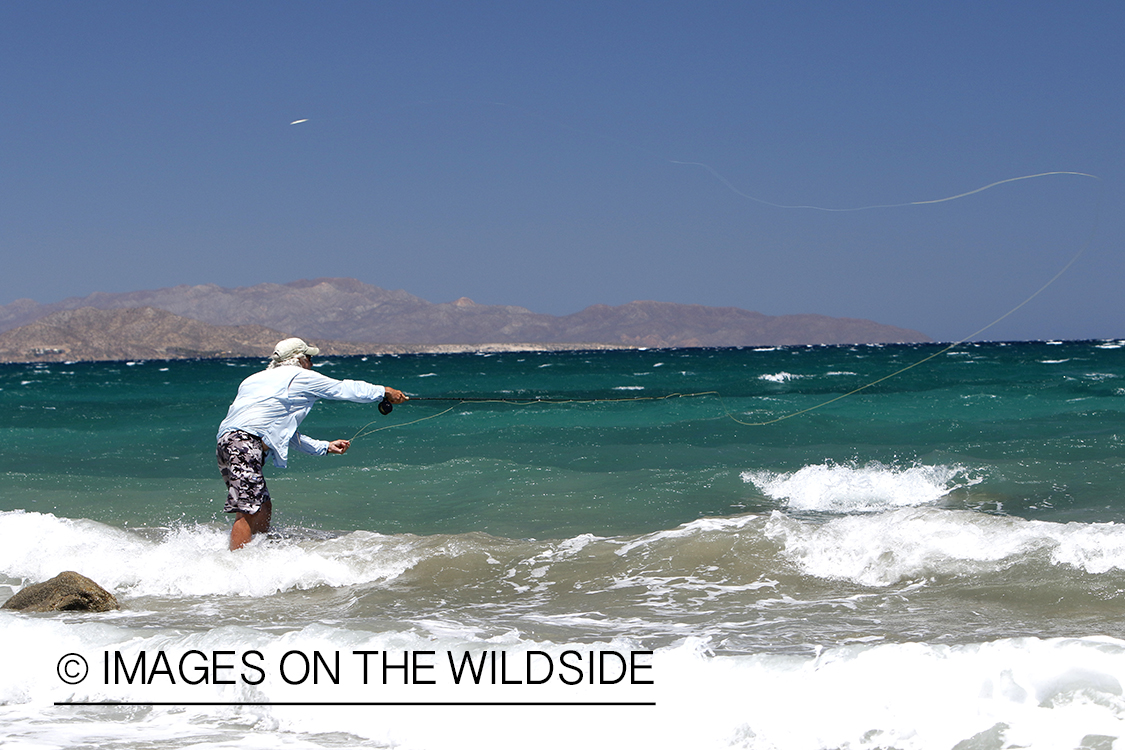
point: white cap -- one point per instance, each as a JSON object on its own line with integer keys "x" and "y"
{"x": 290, "y": 348}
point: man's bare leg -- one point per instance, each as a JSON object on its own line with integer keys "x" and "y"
{"x": 246, "y": 525}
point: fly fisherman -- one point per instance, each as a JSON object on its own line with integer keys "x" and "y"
{"x": 264, "y": 419}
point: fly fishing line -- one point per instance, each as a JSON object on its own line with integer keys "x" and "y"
{"x": 385, "y": 407}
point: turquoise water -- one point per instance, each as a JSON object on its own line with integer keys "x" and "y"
{"x": 935, "y": 558}
{"x": 132, "y": 443}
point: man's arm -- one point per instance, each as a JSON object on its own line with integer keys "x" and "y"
{"x": 322, "y": 386}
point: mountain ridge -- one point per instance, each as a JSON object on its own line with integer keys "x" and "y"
{"x": 143, "y": 333}
{"x": 348, "y": 310}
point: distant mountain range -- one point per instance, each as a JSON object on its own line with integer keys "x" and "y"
{"x": 360, "y": 318}
{"x": 88, "y": 334}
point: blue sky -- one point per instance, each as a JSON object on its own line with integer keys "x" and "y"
{"x": 549, "y": 155}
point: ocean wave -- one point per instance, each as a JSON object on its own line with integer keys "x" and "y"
{"x": 908, "y": 544}
{"x": 840, "y": 488}
{"x": 780, "y": 377}
{"x": 189, "y": 560}
{"x": 726, "y": 563}
{"x": 1018, "y": 692}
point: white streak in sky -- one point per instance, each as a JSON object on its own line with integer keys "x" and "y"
{"x": 298, "y": 122}
{"x": 738, "y": 192}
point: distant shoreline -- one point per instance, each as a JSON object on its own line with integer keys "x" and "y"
{"x": 329, "y": 350}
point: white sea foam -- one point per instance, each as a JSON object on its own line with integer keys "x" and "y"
{"x": 191, "y": 561}
{"x": 780, "y": 377}
{"x": 870, "y": 549}
{"x": 1094, "y": 548}
{"x": 849, "y": 489}
{"x": 908, "y": 544}
{"x": 1029, "y": 692}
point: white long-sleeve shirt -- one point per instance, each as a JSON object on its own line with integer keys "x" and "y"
{"x": 272, "y": 403}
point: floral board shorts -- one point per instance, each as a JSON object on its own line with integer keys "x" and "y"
{"x": 241, "y": 456}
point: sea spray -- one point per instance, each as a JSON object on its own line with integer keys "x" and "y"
{"x": 872, "y": 487}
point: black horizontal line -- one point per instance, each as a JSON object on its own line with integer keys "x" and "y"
{"x": 356, "y": 703}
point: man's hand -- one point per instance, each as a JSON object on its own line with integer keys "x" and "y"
{"x": 339, "y": 446}
{"x": 394, "y": 395}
